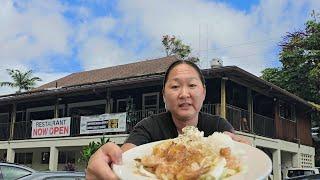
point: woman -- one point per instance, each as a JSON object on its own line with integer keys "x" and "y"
{"x": 184, "y": 91}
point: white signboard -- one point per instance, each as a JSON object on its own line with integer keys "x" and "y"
{"x": 103, "y": 123}
{"x": 51, "y": 127}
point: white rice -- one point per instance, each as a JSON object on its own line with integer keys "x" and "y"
{"x": 220, "y": 140}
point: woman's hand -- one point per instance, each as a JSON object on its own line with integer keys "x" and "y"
{"x": 238, "y": 138}
{"x": 99, "y": 165}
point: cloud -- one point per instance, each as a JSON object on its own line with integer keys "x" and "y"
{"x": 96, "y": 46}
{"x": 32, "y": 32}
{"x": 38, "y": 34}
{"x": 96, "y": 52}
{"x": 32, "y": 29}
{"x": 219, "y": 26}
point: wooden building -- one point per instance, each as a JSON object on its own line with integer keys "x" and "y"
{"x": 275, "y": 120}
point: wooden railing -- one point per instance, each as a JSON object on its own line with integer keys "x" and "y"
{"x": 263, "y": 126}
{"x": 239, "y": 118}
{"x": 289, "y": 129}
{"x": 22, "y": 130}
{"x": 4, "y": 131}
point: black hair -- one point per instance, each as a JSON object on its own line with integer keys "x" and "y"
{"x": 176, "y": 63}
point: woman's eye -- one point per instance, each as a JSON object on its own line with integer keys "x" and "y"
{"x": 192, "y": 85}
{"x": 174, "y": 87}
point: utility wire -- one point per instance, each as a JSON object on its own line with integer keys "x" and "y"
{"x": 241, "y": 44}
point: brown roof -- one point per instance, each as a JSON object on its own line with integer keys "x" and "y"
{"x": 115, "y": 72}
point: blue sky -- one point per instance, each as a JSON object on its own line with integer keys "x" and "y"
{"x": 58, "y": 37}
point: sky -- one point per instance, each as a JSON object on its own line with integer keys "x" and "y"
{"x": 55, "y": 38}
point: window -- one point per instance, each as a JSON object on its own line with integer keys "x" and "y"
{"x": 45, "y": 112}
{"x": 4, "y": 126}
{"x": 4, "y": 118}
{"x": 87, "y": 108}
{"x": 20, "y": 116}
{"x": 45, "y": 157}
{"x": 10, "y": 172}
{"x": 23, "y": 158}
{"x": 287, "y": 111}
{"x": 150, "y": 101}
{"x": 122, "y": 105}
{"x": 38, "y": 115}
{"x": 66, "y": 156}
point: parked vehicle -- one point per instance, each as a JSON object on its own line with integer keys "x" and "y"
{"x": 14, "y": 171}
{"x": 50, "y": 175}
{"x": 294, "y": 172}
{"x": 11, "y": 171}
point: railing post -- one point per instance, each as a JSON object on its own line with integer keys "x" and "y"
{"x": 56, "y": 108}
{"x": 108, "y": 104}
{"x": 250, "y": 109}
{"x": 13, "y": 120}
{"x": 223, "y": 98}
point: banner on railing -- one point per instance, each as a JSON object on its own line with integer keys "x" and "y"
{"x": 103, "y": 123}
{"x": 51, "y": 127}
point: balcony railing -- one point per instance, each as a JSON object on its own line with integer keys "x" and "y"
{"x": 211, "y": 109}
{"x": 289, "y": 129}
{"x": 135, "y": 116}
{"x": 239, "y": 118}
{"x": 4, "y": 131}
{"x": 263, "y": 126}
{"x": 22, "y": 130}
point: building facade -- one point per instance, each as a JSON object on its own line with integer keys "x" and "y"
{"x": 274, "y": 120}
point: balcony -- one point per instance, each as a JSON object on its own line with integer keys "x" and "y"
{"x": 5, "y": 131}
{"x": 289, "y": 129}
{"x": 239, "y": 118}
{"x": 263, "y": 126}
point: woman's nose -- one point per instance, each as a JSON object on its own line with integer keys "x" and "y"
{"x": 184, "y": 92}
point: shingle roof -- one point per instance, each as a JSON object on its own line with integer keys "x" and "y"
{"x": 115, "y": 72}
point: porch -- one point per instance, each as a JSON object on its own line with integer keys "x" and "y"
{"x": 239, "y": 118}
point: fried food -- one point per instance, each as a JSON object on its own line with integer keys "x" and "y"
{"x": 191, "y": 156}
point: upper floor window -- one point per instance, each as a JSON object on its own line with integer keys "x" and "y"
{"x": 150, "y": 101}
{"x": 287, "y": 111}
{"x": 87, "y": 108}
{"x": 4, "y": 118}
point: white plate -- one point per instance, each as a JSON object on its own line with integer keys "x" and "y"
{"x": 258, "y": 164}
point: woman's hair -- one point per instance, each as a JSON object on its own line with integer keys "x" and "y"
{"x": 176, "y": 63}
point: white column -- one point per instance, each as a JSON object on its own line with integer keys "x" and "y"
{"x": 53, "y": 160}
{"x": 276, "y": 164}
{"x": 10, "y": 155}
{"x": 296, "y": 160}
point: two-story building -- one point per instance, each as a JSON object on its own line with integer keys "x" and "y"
{"x": 273, "y": 119}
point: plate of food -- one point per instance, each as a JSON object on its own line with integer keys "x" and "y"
{"x": 193, "y": 156}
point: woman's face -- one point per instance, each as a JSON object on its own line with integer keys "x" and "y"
{"x": 184, "y": 92}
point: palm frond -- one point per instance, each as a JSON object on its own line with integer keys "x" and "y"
{"x": 10, "y": 84}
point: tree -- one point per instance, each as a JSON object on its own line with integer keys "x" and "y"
{"x": 174, "y": 46}
{"x": 300, "y": 58}
{"x": 300, "y": 71}
{"x": 21, "y": 80}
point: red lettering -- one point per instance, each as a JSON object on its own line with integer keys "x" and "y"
{"x": 66, "y": 130}
{"x": 45, "y": 131}
{"x": 34, "y": 132}
{"x": 56, "y": 129}
{"x": 39, "y": 132}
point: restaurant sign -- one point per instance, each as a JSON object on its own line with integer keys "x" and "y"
{"x": 103, "y": 123}
{"x": 51, "y": 127}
